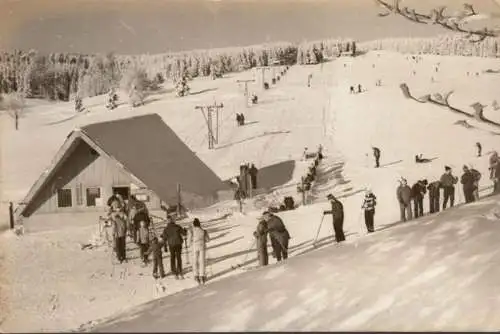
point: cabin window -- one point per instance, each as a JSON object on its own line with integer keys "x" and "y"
{"x": 64, "y": 198}
{"x": 92, "y": 195}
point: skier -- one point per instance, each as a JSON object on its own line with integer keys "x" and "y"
{"x": 376, "y": 154}
{"x": 242, "y": 119}
{"x": 419, "y": 159}
{"x": 278, "y": 234}
{"x": 448, "y": 182}
{"x": 351, "y": 90}
{"x": 434, "y": 192}
{"x": 320, "y": 152}
{"x": 173, "y": 235}
{"x": 337, "y": 213}
{"x": 253, "y": 175}
{"x": 359, "y": 88}
{"x": 403, "y": 194}
{"x": 369, "y": 203}
{"x": 155, "y": 249}
{"x": 260, "y": 235}
{"x": 198, "y": 238}
{"x": 468, "y": 181}
{"x": 119, "y": 220}
{"x": 418, "y": 191}
{"x": 477, "y": 177}
{"x": 479, "y": 149}
{"x": 143, "y": 241}
{"x": 238, "y": 119}
{"x": 305, "y": 154}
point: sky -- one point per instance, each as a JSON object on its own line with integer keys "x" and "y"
{"x": 157, "y": 26}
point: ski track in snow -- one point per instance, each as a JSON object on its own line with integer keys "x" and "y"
{"x": 360, "y": 319}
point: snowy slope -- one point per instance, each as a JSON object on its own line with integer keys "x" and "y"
{"x": 80, "y": 286}
{"x": 413, "y": 277}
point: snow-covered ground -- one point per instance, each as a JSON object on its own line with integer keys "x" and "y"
{"x": 435, "y": 274}
{"x": 55, "y": 285}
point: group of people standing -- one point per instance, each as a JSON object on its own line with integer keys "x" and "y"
{"x": 132, "y": 218}
{"x": 406, "y": 194}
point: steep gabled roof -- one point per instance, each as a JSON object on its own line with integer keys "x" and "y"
{"x": 148, "y": 149}
{"x": 153, "y": 153}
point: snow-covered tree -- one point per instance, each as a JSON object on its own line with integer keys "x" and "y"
{"x": 135, "y": 83}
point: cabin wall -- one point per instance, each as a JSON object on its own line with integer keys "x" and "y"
{"x": 84, "y": 169}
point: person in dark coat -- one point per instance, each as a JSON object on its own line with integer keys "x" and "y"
{"x": 434, "y": 194}
{"x": 337, "y": 213}
{"x": 477, "y": 177}
{"x": 403, "y": 194}
{"x": 468, "y": 183}
{"x": 278, "y": 234}
{"x": 376, "y": 154}
{"x": 448, "y": 182}
{"x": 479, "y": 149}
{"x": 119, "y": 220}
{"x": 260, "y": 235}
{"x": 418, "y": 191}
{"x": 173, "y": 235}
{"x": 238, "y": 119}
{"x": 155, "y": 249}
{"x": 253, "y": 175}
{"x": 369, "y": 203}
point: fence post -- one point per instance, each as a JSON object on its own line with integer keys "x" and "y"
{"x": 11, "y": 215}
{"x": 303, "y": 191}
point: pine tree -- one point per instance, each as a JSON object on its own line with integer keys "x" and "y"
{"x": 181, "y": 86}
{"x": 79, "y": 104}
{"x": 112, "y": 99}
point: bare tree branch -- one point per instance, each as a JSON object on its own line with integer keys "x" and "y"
{"x": 438, "y": 16}
{"x": 443, "y": 101}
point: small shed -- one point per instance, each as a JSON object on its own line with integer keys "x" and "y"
{"x": 139, "y": 155}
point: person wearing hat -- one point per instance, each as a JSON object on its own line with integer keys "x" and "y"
{"x": 260, "y": 235}
{"x": 403, "y": 194}
{"x": 448, "y": 181}
{"x": 337, "y": 213}
{"x": 278, "y": 234}
{"x": 369, "y": 203}
{"x": 376, "y": 155}
{"x": 468, "y": 183}
{"x": 173, "y": 236}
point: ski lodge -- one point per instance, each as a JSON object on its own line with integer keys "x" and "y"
{"x": 138, "y": 156}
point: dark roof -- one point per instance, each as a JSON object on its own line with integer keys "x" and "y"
{"x": 152, "y": 152}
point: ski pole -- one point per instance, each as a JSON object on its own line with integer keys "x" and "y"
{"x": 248, "y": 252}
{"x": 319, "y": 228}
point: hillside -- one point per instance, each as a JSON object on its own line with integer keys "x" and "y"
{"x": 288, "y": 117}
{"x": 434, "y": 274}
